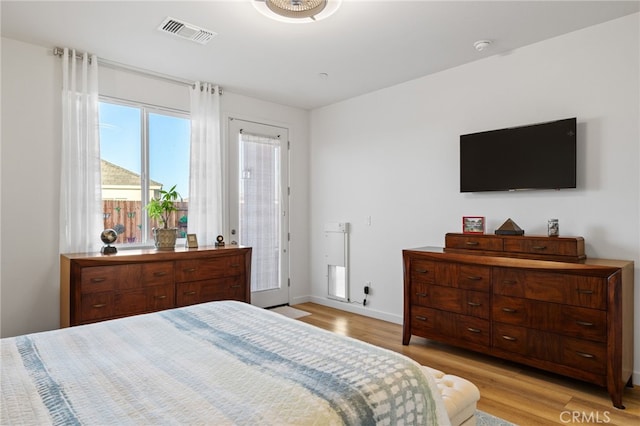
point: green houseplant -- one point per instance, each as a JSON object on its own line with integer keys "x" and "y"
{"x": 160, "y": 209}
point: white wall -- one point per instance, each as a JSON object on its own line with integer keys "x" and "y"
{"x": 30, "y": 170}
{"x": 393, "y": 155}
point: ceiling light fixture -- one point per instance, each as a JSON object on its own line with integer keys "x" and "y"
{"x": 480, "y": 45}
{"x": 297, "y": 11}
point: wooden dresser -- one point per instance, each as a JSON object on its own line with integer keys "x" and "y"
{"x": 499, "y": 295}
{"x": 96, "y": 287}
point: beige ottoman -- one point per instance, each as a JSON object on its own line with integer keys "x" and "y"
{"x": 460, "y": 397}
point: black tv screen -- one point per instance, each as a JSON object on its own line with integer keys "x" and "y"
{"x": 537, "y": 156}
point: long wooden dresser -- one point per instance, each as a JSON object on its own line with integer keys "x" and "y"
{"x": 533, "y": 300}
{"x": 96, "y": 287}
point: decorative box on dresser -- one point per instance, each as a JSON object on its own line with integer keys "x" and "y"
{"x": 531, "y": 299}
{"x": 96, "y": 287}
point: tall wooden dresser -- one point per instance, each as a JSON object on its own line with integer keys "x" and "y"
{"x": 533, "y": 300}
{"x": 96, "y": 287}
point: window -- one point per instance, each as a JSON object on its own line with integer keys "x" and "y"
{"x": 143, "y": 149}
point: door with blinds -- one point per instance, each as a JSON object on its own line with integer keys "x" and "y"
{"x": 259, "y": 204}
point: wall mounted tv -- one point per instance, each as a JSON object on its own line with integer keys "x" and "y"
{"x": 536, "y": 156}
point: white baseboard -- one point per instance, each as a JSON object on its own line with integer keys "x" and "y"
{"x": 350, "y": 307}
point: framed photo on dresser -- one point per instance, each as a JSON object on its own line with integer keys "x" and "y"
{"x": 473, "y": 224}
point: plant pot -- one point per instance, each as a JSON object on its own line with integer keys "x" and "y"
{"x": 165, "y": 239}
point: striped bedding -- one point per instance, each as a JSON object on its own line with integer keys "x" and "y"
{"x": 216, "y": 363}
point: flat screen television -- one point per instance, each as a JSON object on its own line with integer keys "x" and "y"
{"x": 536, "y": 156}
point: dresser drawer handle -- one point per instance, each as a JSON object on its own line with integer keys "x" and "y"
{"x": 585, "y": 355}
{"x": 509, "y": 282}
{"x": 474, "y": 304}
{"x": 585, "y": 323}
{"x": 582, "y": 291}
{"x": 421, "y": 294}
{"x": 421, "y": 318}
{"x": 471, "y": 278}
{"x": 473, "y": 330}
{"x": 162, "y": 296}
{"x": 509, "y": 310}
{"x": 509, "y": 338}
{"x": 98, "y": 280}
{"x": 471, "y": 243}
{"x": 99, "y": 305}
{"x": 539, "y": 247}
{"x": 188, "y": 293}
{"x": 235, "y": 265}
{"x": 235, "y": 286}
{"x": 160, "y": 274}
{"x": 189, "y": 270}
{"x": 422, "y": 271}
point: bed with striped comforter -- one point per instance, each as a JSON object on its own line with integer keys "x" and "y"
{"x": 216, "y": 363}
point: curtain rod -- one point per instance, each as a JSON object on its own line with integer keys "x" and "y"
{"x": 58, "y": 51}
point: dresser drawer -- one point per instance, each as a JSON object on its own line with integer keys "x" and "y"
{"x": 590, "y": 324}
{"x": 102, "y": 278}
{"x": 473, "y": 242}
{"x": 95, "y": 307}
{"x": 229, "y": 288}
{"x": 438, "y": 297}
{"x": 160, "y": 297}
{"x": 157, "y": 273}
{"x": 148, "y": 299}
{"x": 474, "y": 330}
{"x": 569, "y": 289}
{"x": 585, "y": 355}
{"x": 423, "y": 271}
{"x": 527, "y": 342}
{"x": 113, "y": 304}
{"x": 202, "y": 269}
{"x": 446, "y": 299}
{"x": 477, "y": 304}
{"x": 420, "y": 293}
{"x": 459, "y": 275}
{"x": 472, "y": 277}
{"x": 545, "y": 246}
{"x": 511, "y": 338}
{"x": 433, "y": 323}
{"x": 584, "y": 323}
{"x": 423, "y": 320}
{"x": 451, "y": 299}
{"x": 512, "y": 310}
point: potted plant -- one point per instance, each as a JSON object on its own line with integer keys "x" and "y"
{"x": 160, "y": 209}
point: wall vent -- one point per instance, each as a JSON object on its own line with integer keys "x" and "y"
{"x": 186, "y": 31}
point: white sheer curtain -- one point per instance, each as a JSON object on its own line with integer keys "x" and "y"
{"x": 260, "y": 207}
{"x": 80, "y": 186}
{"x": 205, "y": 177}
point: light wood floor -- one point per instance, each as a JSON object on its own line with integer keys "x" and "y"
{"x": 522, "y": 395}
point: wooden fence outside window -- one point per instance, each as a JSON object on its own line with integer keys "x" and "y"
{"x": 126, "y": 218}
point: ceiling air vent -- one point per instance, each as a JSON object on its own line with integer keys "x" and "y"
{"x": 186, "y": 31}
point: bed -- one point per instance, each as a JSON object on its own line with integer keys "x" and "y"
{"x": 214, "y": 363}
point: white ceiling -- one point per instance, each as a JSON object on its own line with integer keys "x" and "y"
{"x": 364, "y": 46}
